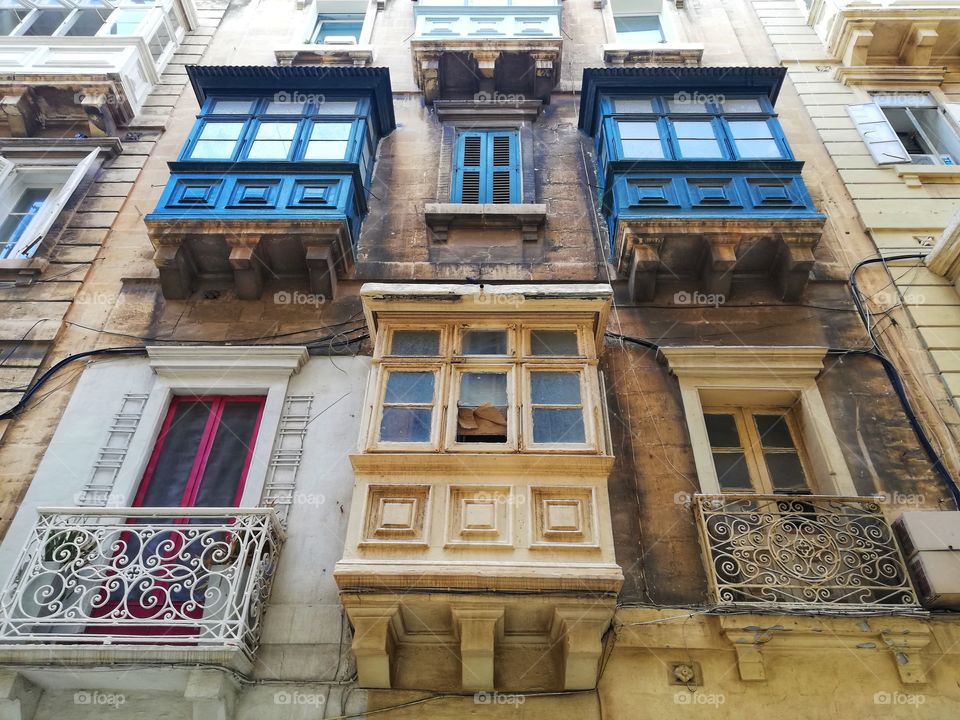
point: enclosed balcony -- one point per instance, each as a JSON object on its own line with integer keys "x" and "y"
{"x": 482, "y": 470}
{"x": 471, "y": 49}
{"x": 137, "y": 585}
{"x": 84, "y": 66}
{"x": 271, "y": 185}
{"x": 816, "y": 552}
{"x": 698, "y": 183}
{"x": 912, "y": 43}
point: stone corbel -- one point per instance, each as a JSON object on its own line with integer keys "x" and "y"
{"x": 177, "y": 272}
{"x": 794, "y": 263}
{"x": 429, "y": 71}
{"x": 545, "y": 67}
{"x": 374, "y": 645}
{"x": 486, "y": 62}
{"x": 477, "y": 630}
{"x": 906, "y": 649}
{"x": 18, "y": 696}
{"x": 719, "y": 261}
{"x": 917, "y": 47}
{"x": 644, "y": 266}
{"x": 20, "y": 113}
{"x": 247, "y": 269}
{"x": 212, "y": 694}
{"x": 858, "y": 44}
{"x": 747, "y": 644}
{"x": 321, "y": 267}
{"x": 100, "y": 120}
{"x": 579, "y": 632}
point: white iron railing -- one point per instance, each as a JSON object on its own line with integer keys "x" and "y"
{"x": 801, "y": 550}
{"x": 188, "y": 577}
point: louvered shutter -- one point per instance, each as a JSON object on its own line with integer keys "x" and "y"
{"x": 878, "y": 134}
{"x": 468, "y": 176}
{"x": 504, "y": 168}
{"x": 487, "y": 168}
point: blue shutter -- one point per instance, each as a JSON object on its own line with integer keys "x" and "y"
{"x": 486, "y": 168}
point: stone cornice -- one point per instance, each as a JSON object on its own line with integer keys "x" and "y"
{"x": 178, "y": 361}
{"x": 793, "y": 363}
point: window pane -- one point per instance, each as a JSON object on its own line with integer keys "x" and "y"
{"x": 337, "y": 107}
{"x": 478, "y": 388}
{"x": 273, "y": 141}
{"x": 126, "y": 22}
{"x": 328, "y": 141}
{"x": 409, "y": 388}
{"x": 774, "y": 431}
{"x": 555, "y": 388}
{"x": 9, "y": 19}
{"x": 644, "y": 29}
{"x": 558, "y": 426}
{"x": 415, "y": 342}
{"x": 633, "y": 105}
{"x": 160, "y": 42}
{"x": 750, "y": 129}
{"x": 634, "y": 130}
{"x": 758, "y": 149}
{"x": 400, "y": 424}
{"x": 18, "y": 220}
{"x": 722, "y": 430}
{"x": 232, "y": 107}
{"x": 732, "y": 472}
{"x": 178, "y": 450}
{"x": 786, "y": 472}
{"x": 485, "y": 342}
{"x": 46, "y": 22}
{"x": 642, "y": 149}
{"x": 232, "y": 443}
{"x": 482, "y": 408}
{"x": 697, "y": 139}
{"x": 682, "y": 102}
{"x": 217, "y": 140}
{"x": 277, "y": 107}
{"x": 554, "y": 342}
{"x": 742, "y": 105}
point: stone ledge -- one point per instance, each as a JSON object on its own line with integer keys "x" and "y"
{"x": 659, "y": 54}
{"x": 526, "y": 218}
{"x": 354, "y": 55}
{"x": 915, "y": 175}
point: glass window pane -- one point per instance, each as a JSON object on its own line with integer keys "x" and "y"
{"x": 722, "y": 430}
{"x": 750, "y": 129}
{"x": 742, "y": 105}
{"x": 217, "y": 140}
{"x": 232, "y": 107}
{"x": 633, "y": 105}
{"x": 228, "y": 455}
{"x": 331, "y": 131}
{"x": 643, "y": 29}
{"x": 554, "y": 342}
{"x": 555, "y": 388}
{"x": 273, "y": 141}
{"x": 18, "y": 219}
{"x": 697, "y": 139}
{"x": 126, "y": 22}
{"x": 477, "y": 388}
{"x": 636, "y": 130}
{"x": 221, "y": 131}
{"x": 683, "y": 102}
{"x": 642, "y": 149}
{"x": 415, "y": 342}
{"x": 786, "y": 472}
{"x": 9, "y": 19}
{"x": 732, "y": 472}
{"x": 400, "y": 424}
{"x": 284, "y": 107}
{"x": 337, "y": 107}
{"x": 485, "y": 342}
{"x": 160, "y": 41}
{"x": 758, "y": 149}
{"x": 558, "y": 426}
{"x": 409, "y": 388}
{"x": 774, "y": 431}
{"x": 46, "y": 22}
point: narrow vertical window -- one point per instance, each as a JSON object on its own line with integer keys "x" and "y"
{"x": 487, "y": 168}
{"x": 556, "y": 407}
{"x": 408, "y": 407}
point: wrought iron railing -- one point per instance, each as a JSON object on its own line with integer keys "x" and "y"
{"x": 803, "y": 550}
{"x": 108, "y": 576}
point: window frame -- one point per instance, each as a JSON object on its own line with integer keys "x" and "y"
{"x": 310, "y": 116}
{"x": 666, "y": 120}
{"x": 486, "y": 169}
{"x": 451, "y": 363}
{"x": 633, "y": 42}
{"x": 758, "y": 472}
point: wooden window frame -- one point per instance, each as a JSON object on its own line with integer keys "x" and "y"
{"x": 752, "y": 444}
{"x": 440, "y": 374}
{"x": 587, "y": 395}
{"x": 513, "y": 417}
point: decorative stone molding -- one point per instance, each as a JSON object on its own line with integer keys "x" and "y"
{"x": 944, "y": 259}
{"x": 580, "y": 633}
{"x": 915, "y": 175}
{"x": 527, "y": 220}
{"x": 478, "y": 629}
{"x": 660, "y": 54}
{"x": 656, "y": 246}
{"x": 759, "y": 375}
{"x": 176, "y": 362}
{"x": 494, "y": 109}
{"x": 355, "y": 55}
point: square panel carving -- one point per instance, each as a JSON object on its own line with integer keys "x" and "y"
{"x": 396, "y": 513}
{"x": 479, "y": 516}
{"x": 712, "y": 192}
{"x": 563, "y": 516}
{"x": 313, "y": 193}
{"x": 654, "y": 191}
{"x": 255, "y": 193}
{"x": 774, "y": 193}
{"x": 195, "y": 193}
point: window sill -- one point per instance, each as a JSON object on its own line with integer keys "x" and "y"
{"x": 357, "y": 55}
{"x": 23, "y": 272}
{"x": 916, "y": 175}
{"x": 526, "y": 219}
{"x": 660, "y": 53}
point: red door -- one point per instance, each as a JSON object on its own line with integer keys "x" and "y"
{"x": 201, "y": 459}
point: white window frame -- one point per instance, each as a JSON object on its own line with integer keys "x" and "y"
{"x": 331, "y": 7}
{"x": 764, "y": 376}
{"x": 876, "y": 109}
{"x": 665, "y": 11}
{"x": 17, "y": 176}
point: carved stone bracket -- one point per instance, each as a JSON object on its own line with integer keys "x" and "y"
{"x": 478, "y": 630}
{"x": 374, "y": 644}
{"x": 580, "y": 635}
